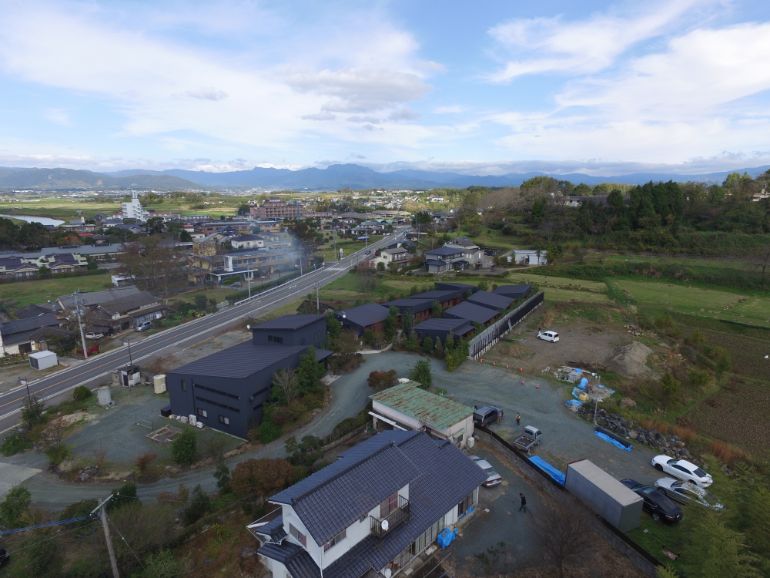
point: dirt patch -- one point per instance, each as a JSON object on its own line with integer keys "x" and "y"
{"x": 631, "y": 360}
{"x": 737, "y": 415}
{"x": 582, "y": 342}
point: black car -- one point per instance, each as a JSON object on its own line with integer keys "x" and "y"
{"x": 656, "y": 502}
{"x": 486, "y": 415}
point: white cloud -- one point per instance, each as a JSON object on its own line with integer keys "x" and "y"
{"x": 449, "y": 109}
{"x": 58, "y": 116}
{"x": 163, "y": 86}
{"x": 547, "y": 45}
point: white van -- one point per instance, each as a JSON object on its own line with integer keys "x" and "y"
{"x": 144, "y": 326}
{"x": 548, "y": 335}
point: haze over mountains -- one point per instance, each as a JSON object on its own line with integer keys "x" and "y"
{"x": 331, "y": 178}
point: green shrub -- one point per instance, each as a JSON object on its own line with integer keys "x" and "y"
{"x": 269, "y": 431}
{"x": 81, "y": 393}
{"x": 15, "y": 443}
{"x": 184, "y": 449}
{"x": 58, "y": 453}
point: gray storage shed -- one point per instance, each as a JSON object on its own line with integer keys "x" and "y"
{"x": 605, "y": 495}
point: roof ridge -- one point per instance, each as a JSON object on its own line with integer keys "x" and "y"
{"x": 337, "y": 475}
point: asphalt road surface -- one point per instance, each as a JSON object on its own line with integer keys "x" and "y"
{"x": 96, "y": 368}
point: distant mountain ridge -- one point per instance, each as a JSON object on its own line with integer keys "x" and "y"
{"x": 331, "y": 178}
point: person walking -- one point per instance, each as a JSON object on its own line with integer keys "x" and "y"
{"x": 523, "y": 500}
{"x": 518, "y": 419}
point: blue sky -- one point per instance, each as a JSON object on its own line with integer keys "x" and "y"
{"x": 484, "y": 86}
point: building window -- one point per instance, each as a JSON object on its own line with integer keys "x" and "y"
{"x": 336, "y": 540}
{"x": 274, "y": 339}
{"x": 388, "y": 505}
{"x": 297, "y": 535}
{"x": 202, "y": 412}
{"x": 224, "y": 419}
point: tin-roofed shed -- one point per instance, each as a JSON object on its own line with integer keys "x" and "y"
{"x": 408, "y": 406}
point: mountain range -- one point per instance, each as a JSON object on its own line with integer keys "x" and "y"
{"x": 331, "y": 178}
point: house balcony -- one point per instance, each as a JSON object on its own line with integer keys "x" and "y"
{"x": 382, "y": 526}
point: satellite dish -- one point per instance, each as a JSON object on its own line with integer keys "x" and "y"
{"x": 384, "y": 525}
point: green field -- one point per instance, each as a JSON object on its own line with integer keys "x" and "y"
{"x": 23, "y": 293}
{"x": 699, "y": 302}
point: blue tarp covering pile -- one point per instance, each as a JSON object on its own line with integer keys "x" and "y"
{"x": 573, "y": 403}
{"x": 446, "y": 537}
{"x": 556, "y": 475}
{"x": 613, "y": 441}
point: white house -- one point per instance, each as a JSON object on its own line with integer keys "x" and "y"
{"x": 247, "y": 242}
{"x": 341, "y": 521}
{"x": 530, "y": 257}
{"x": 388, "y": 256}
{"x": 408, "y": 406}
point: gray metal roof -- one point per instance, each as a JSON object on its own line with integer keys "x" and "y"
{"x": 365, "y": 315}
{"x": 28, "y": 324}
{"x": 514, "y": 291}
{"x": 471, "y": 312}
{"x": 415, "y": 305}
{"x": 331, "y": 499}
{"x": 464, "y": 287}
{"x": 99, "y": 297}
{"x": 438, "y": 294}
{"x": 288, "y": 322}
{"x": 456, "y": 326}
{"x": 444, "y": 251}
{"x": 240, "y": 360}
{"x": 491, "y": 300}
{"x": 446, "y": 477}
{"x": 129, "y": 303}
{"x": 297, "y": 561}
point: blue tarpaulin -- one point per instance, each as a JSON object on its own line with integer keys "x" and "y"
{"x": 613, "y": 441}
{"x": 446, "y": 537}
{"x": 556, "y": 475}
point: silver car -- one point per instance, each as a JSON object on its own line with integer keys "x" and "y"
{"x": 686, "y": 492}
{"x": 493, "y": 478}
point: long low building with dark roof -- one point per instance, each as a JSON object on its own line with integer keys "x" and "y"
{"x": 227, "y": 390}
{"x": 371, "y": 317}
{"x": 491, "y": 300}
{"x": 442, "y": 328}
{"x": 472, "y": 312}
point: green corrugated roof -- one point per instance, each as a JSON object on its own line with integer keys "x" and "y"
{"x": 435, "y": 411}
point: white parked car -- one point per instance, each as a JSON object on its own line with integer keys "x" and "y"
{"x": 687, "y": 492}
{"x": 94, "y": 335}
{"x": 682, "y": 470}
{"x": 548, "y": 335}
{"x": 493, "y": 478}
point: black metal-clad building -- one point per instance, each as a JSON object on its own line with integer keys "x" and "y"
{"x": 291, "y": 330}
{"x": 443, "y": 328}
{"x": 226, "y": 390}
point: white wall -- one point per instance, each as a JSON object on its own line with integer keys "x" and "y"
{"x": 395, "y": 415}
{"x": 464, "y": 427}
{"x": 291, "y": 517}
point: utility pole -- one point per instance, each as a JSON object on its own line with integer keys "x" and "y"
{"x": 80, "y": 324}
{"x": 317, "y": 300}
{"x": 110, "y": 550}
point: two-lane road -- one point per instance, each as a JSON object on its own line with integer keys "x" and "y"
{"x": 99, "y": 366}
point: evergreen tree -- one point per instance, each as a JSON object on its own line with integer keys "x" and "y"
{"x": 716, "y": 551}
{"x": 421, "y": 374}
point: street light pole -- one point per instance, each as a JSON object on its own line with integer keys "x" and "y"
{"x": 80, "y": 325}
{"x": 23, "y": 381}
{"x": 127, "y": 343}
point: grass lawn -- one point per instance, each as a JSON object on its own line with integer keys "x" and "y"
{"x": 218, "y": 294}
{"x": 24, "y": 293}
{"x": 655, "y": 260}
{"x": 713, "y": 303}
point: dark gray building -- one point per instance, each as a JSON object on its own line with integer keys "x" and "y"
{"x": 291, "y": 330}
{"x": 491, "y": 300}
{"x": 370, "y": 316}
{"x": 513, "y": 291}
{"x": 472, "y": 312}
{"x": 227, "y": 390}
{"x": 443, "y": 328}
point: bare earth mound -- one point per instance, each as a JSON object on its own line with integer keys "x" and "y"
{"x": 631, "y": 360}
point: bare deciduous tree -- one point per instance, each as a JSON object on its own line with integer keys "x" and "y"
{"x": 564, "y": 531}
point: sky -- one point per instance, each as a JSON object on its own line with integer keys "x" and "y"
{"x": 484, "y": 86}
